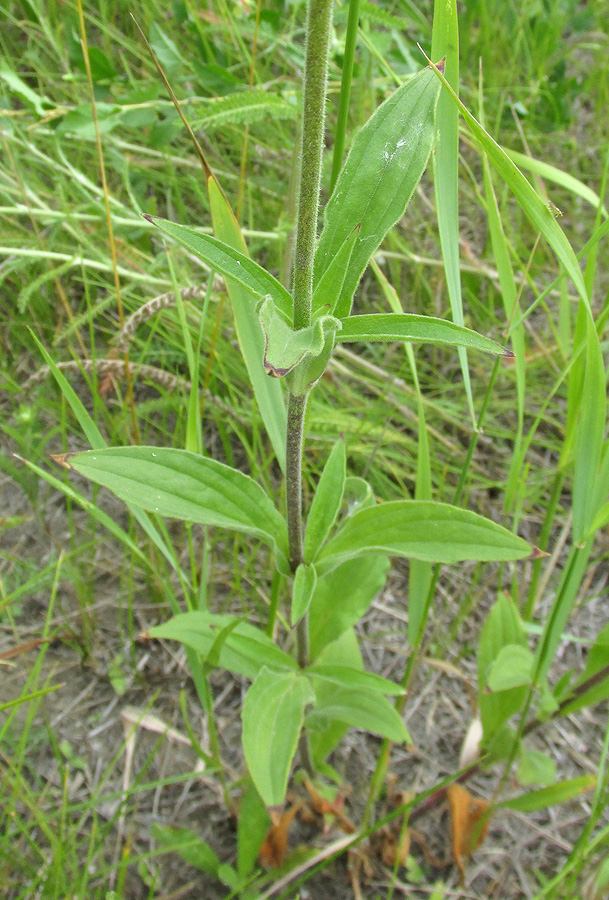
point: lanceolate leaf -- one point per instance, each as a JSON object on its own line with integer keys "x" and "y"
{"x": 363, "y": 709}
{"x": 550, "y": 796}
{"x": 229, "y": 262}
{"x": 183, "y": 485}
{"x": 436, "y": 532}
{"x": 272, "y": 718}
{"x": 328, "y": 291}
{"x": 244, "y": 650}
{"x": 268, "y": 391}
{"x": 386, "y": 161}
{"x": 326, "y": 501}
{"x": 423, "y": 329}
{"x": 345, "y": 676}
{"x": 305, "y": 580}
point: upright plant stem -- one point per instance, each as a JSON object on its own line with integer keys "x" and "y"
{"x": 319, "y": 23}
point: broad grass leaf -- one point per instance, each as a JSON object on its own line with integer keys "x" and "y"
{"x": 229, "y": 262}
{"x": 272, "y": 717}
{"x": 415, "y": 329}
{"x": 386, "y": 160}
{"x": 445, "y": 45}
{"x": 183, "y": 485}
{"x": 550, "y": 796}
{"x": 244, "y": 650}
{"x": 360, "y": 708}
{"x": 589, "y": 440}
{"x": 534, "y": 206}
{"x": 420, "y": 529}
{"x": 512, "y": 668}
{"x": 267, "y": 391}
{"x": 502, "y": 628}
{"x": 345, "y": 676}
{"x": 326, "y": 501}
{"x": 305, "y": 579}
{"x": 341, "y": 598}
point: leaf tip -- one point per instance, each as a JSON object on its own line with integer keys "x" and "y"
{"x": 538, "y": 554}
{"x": 62, "y": 459}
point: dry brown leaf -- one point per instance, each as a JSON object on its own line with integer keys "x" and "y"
{"x": 324, "y": 807}
{"x": 469, "y": 821}
{"x": 396, "y": 849}
{"x": 273, "y": 850}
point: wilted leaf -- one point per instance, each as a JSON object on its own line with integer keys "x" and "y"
{"x": 273, "y": 850}
{"x": 469, "y": 821}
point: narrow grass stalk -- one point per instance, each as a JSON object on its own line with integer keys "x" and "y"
{"x": 102, "y": 172}
{"x": 345, "y": 91}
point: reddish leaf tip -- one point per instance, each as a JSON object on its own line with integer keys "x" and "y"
{"x": 538, "y": 554}
{"x": 62, "y": 459}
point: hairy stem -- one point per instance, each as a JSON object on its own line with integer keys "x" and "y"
{"x": 319, "y": 23}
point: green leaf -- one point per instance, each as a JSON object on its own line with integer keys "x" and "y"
{"x": 268, "y": 391}
{"x": 244, "y": 650}
{"x": 165, "y": 49}
{"x": 182, "y": 485}
{"x": 188, "y": 845}
{"x": 342, "y": 597}
{"x": 305, "y": 580}
{"x": 254, "y": 823}
{"x": 535, "y": 768}
{"x": 326, "y": 501}
{"x": 535, "y": 208}
{"x": 598, "y": 660}
{"x": 273, "y": 712}
{"x": 345, "y": 676}
{"x": 230, "y": 262}
{"x": 387, "y": 158}
{"x": 512, "y": 668}
{"x": 550, "y": 796}
{"x": 344, "y": 652}
{"x": 445, "y": 45}
{"x": 407, "y": 327}
{"x": 502, "y": 628}
{"x": 96, "y": 440}
{"x": 363, "y": 709}
{"x": 589, "y": 440}
{"x": 328, "y": 291}
{"x": 285, "y": 348}
{"x": 419, "y": 529}
{"x": 551, "y": 173}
